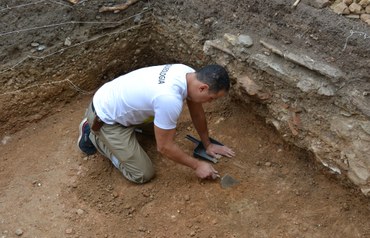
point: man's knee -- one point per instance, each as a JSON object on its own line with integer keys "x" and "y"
{"x": 142, "y": 176}
{"x": 147, "y": 176}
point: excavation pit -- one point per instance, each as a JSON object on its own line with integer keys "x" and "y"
{"x": 289, "y": 183}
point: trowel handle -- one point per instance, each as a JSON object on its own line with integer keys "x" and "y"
{"x": 196, "y": 141}
{"x": 193, "y": 139}
{"x": 213, "y": 141}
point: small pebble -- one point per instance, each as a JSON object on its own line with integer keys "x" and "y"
{"x": 67, "y": 42}
{"x": 114, "y": 194}
{"x": 187, "y": 198}
{"x": 80, "y": 212}
{"x": 345, "y": 207}
{"x": 19, "y": 232}
{"x": 41, "y": 47}
{"x": 142, "y": 229}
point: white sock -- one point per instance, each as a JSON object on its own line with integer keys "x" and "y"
{"x": 115, "y": 162}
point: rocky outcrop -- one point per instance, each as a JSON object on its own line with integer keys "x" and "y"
{"x": 312, "y": 103}
{"x": 353, "y": 9}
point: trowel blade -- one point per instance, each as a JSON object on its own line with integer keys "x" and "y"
{"x": 228, "y": 181}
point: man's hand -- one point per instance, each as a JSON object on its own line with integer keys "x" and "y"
{"x": 205, "y": 171}
{"x": 215, "y": 150}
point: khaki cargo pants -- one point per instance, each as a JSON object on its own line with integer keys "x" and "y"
{"x": 119, "y": 144}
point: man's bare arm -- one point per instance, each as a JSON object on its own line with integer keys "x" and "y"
{"x": 167, "y": 146}
{"x": 199, "y": 120}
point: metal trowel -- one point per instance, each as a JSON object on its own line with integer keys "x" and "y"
{"x": 228, "y": 181}
{"x": 200, "y": 153}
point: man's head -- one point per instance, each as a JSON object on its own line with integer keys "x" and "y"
{"x": 208, "y": 83}
{"x": 215, "y": 76}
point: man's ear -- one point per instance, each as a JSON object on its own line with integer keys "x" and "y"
{"x": 203, "y": 87}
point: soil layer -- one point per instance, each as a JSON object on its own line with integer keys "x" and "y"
{"x": 50, "y": 189}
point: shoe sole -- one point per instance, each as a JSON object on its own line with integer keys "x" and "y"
{"x": 80, "y": 131}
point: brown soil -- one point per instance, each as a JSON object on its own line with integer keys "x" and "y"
{"x": 48, "y": 188}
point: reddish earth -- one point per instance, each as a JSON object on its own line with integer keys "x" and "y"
{"x": 49, "y": 189}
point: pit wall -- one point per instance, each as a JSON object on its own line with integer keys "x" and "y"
{"x": 304, "y": 98}
{"x": 39, "y": 87}
{"x": 310, "y": 102}
{"x": 305, "y": 102}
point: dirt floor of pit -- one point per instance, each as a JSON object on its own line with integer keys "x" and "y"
{"x": 49, "y": 189}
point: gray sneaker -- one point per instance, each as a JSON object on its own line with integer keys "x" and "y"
{"x": 84, "y": 142}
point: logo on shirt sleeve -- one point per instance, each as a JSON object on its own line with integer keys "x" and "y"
{"x": 162, "y": 74}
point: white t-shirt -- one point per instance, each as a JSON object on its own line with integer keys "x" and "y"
{"x": 152, "y": 93}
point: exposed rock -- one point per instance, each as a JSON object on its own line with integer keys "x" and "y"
{"x": 252, "y": 88}
{"x": 41, "y": 47}
{"x": 80, "y": 211}
{"x": 348, "y": 2}
{"x": 67, "y": 41}
{"x": 344, "y": 147}
{"x": 355, "y": 8}
{"x": 365, "y": 17}
{"x": 5, "y": 140}
{"x": 231, "y": 39}
{"x": 304, "y": 60}
{"x": 355, "y": 151}
{"x": 242, "y": 40}
{"x": 364, "y": 3}
{"x": 341, "y": 8}
{"x": 366, "y": 127}
{"x": 187, "y": 198}
{"x": 216, "y": 44}
{"x": 249, "y": 85}
{"x": 366, "y": 191}
{"x": 19, "y": 232}
{"x": 326, "y": 89}
{"x": 353, "y": 16}
{"x": 245, "y": 40}
{"x": 209, "y": 21}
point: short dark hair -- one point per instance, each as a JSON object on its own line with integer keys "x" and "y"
{"x": 215, "y": 76}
